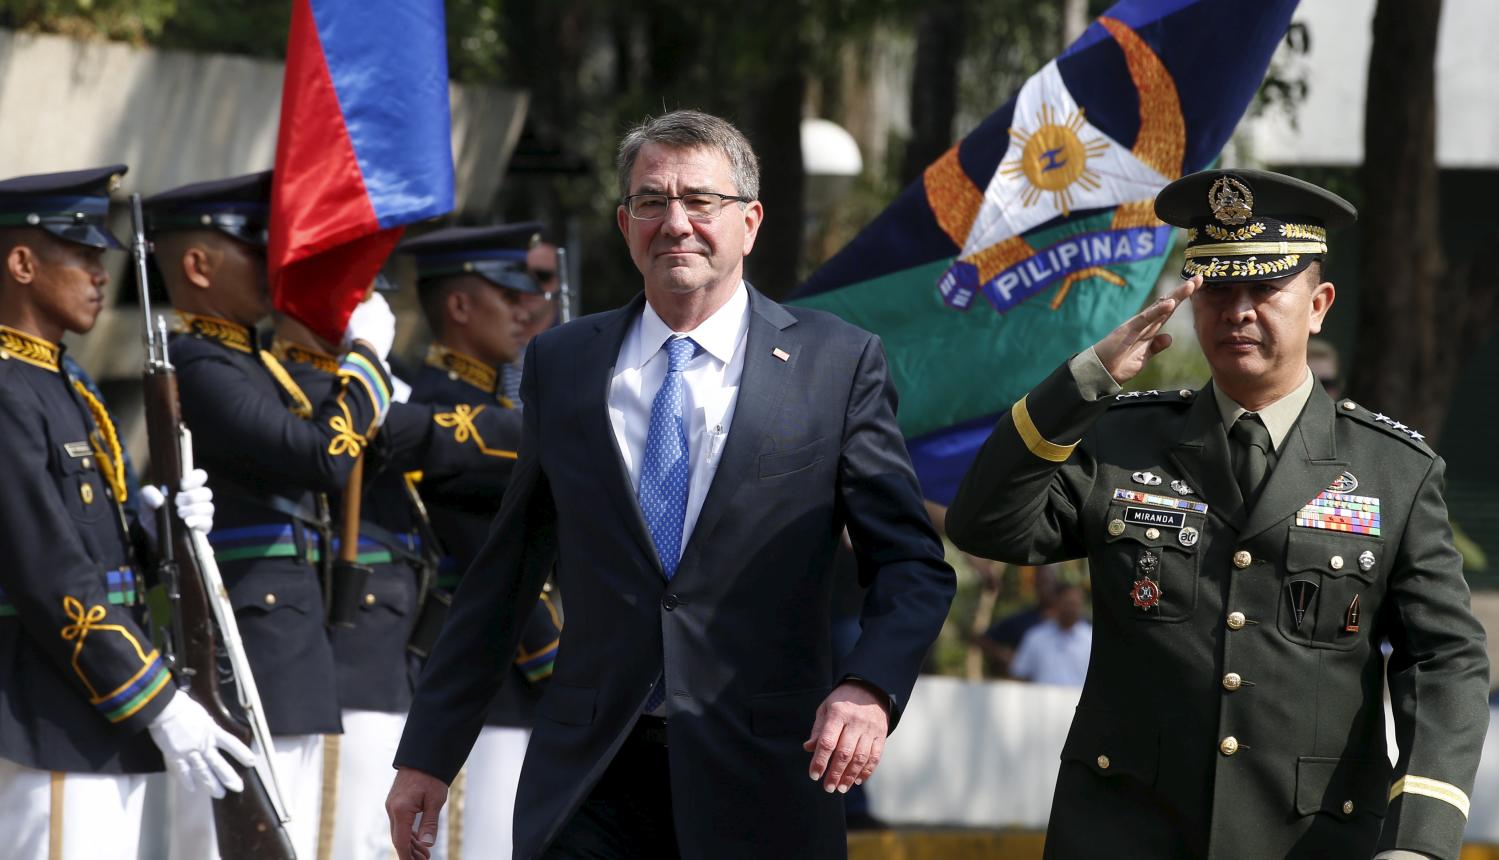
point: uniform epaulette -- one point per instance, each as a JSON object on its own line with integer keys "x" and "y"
{"x": 1177, "y": 397}
{"x": 1381, "y": 421}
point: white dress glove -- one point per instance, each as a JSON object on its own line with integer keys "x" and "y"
{"x": 374, "y": 323}
{"x": 194, "y": 501}
{"x": 190, "y": 742}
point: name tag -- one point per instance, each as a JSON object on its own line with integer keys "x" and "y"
{"x": 77, "y": 450}
{"x": 1153, "y": 517}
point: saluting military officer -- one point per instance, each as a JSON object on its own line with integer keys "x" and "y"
{"x": 375, "y": 665}
{"x": 1251, "y": 545}
{"x": 475, "y": 288}
{"x": 273, "y": 453}
{"x": 87, "y": 705}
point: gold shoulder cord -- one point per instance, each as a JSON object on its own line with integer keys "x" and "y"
{"x": 301, "y": 406}
{"x": 105, "y": 442}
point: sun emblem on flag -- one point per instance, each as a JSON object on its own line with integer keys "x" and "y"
{"x": 1054, "y": 157}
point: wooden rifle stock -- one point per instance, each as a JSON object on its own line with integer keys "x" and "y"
{"x": 246, "y": 822}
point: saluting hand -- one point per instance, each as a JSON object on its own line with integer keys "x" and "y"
{"x": 1127, "y": 349}
{"x": 848, "y": 736}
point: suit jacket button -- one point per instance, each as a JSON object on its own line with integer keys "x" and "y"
{"x": 1232, "y": 681}
{"x": 670, "y": 602}
{"x": 1229, "y": 745}
{"x": 1236, "y": 620}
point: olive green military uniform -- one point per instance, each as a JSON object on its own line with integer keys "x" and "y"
{"x": 1234, "y": 701}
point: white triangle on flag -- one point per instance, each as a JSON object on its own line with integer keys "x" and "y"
{"x": 1057, "y": 163}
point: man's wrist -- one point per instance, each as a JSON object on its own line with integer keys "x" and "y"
{"x": 1094, "y": 382}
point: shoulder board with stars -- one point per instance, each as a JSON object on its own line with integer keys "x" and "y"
{"x": 1155, "y": 395}
{"x": 1381, "y": 421}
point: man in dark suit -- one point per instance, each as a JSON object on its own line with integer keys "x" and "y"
{"x": 1251, "y": 545}
{"x": 688, "y": 463}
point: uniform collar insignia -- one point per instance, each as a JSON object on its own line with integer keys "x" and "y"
{"x": 287, "y": 351}
{"x": 231, "y": 335}
{"x": 29, "y": 348}
{"x": 462, "y": 367}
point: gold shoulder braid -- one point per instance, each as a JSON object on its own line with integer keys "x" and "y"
{"x": 28, "y": 348}
{"x": 301, "y": 406}
{"x": 459, "y": 366}
{"x": 105, "y": 442}
{"x": 232, "y": 335}
{"x": 298, "y": 354}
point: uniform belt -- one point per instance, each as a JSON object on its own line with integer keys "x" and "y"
{"x": 272, "y": 540}
{"x": 293, "y": 508}
{"x": 121, "y": 584}
{"x": 405, "y": 546}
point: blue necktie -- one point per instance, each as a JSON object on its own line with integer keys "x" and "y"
{"x": 664, "y": 472}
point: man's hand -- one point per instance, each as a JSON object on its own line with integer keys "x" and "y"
{"x": 193, "y": 747}
{"x": 848, "y": 736}
{"x": 413, "y": 793}
{"x": 1126, "y": 350}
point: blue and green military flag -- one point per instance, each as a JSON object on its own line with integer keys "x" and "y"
{"x": 1036, "y": 235}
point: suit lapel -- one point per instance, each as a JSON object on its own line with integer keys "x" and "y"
{"x": 1202, "y": 453}
{"x": 596, "y": 366}
{"x": 1307, "y": 464}
{"x": 761, "y": 388}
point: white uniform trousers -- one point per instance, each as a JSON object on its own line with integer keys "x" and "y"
{"x": 51, "y": 815}
{"x": 360, "y": 829}
{"x": 478, "y": 822}
{"x": 299, "y": 768}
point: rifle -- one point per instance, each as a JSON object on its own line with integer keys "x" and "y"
{"x": 250, "y": 824}
{"x": 564, "y": 287}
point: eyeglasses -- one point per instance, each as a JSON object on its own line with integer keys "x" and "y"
{"x": 699, "y": 206}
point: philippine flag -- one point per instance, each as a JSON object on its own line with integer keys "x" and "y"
{"x": 364, "y": 148}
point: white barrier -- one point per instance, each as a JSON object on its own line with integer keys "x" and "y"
{"x": 985, "y": 754}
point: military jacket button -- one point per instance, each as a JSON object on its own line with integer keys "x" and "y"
{"x": 1152, "y": 533}
{"x": 1236, "y": 621}
{"x": 270, "y": 600}
{"x": 1103, "y": 762}
{"x": 87, "y": 463}
{"x": 1232, "y": 681}
{"x": 1336, "y": 562}
{"x": 1229, "y": 745}
{"x": 1116, "y": 527}
{"x": 1347, "y": 807}
{"x": 1242, "y": 559}
{"x": 369, "y": 600}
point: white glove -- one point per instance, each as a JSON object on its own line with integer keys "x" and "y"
{"x": 190, "y": 742}
{"x": 374, "y": 323}
{"x": 194, "y": 501}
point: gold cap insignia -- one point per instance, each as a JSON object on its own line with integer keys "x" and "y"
{"x": 1231, "y": 200}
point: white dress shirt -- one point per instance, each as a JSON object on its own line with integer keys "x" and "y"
{"x": 710, "y": 390}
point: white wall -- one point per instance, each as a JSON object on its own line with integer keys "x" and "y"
{"x": 1330, "y": 123}
{"x": 176, "y": 117}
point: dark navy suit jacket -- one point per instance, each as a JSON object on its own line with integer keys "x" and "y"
{"x": 742, "y": 630}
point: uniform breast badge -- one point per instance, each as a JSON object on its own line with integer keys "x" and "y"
{"x": 1188, "y": 536}
{"x": 1149, "y": 479}
{"x": 1181, "y": 488}
{"x": 1350, "y": 617}
{"x": 1146, "y": 592}
{"x": 1345, "y": 483}
{"x": 1303, "y": 592}
{"x": 1366, "y": 561}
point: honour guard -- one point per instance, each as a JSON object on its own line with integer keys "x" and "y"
{"x": 274, "y": 454}
{"x": 373, "y": 648}
{"x": 89, "y": 704}
{"x": 1251, "y": 543}
{"x": 474, "y": 285}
